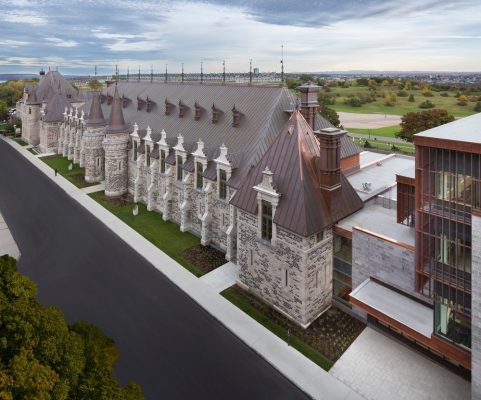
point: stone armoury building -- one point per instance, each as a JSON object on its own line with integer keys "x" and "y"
{"x": 310, "y": 219}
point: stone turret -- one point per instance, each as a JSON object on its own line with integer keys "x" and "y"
{"x": 115, "y": 147}
{"x": 92, "y": 153}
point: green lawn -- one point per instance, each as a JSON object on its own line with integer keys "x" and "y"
{"x": 76, "y": 175}
{"x": 21, "y": 142}
{"x": 388, "y": 131}
{"x": 163, "y": 234}
{"x": 31, "y": 150}
{"x": 406, "y": 148}
{"x": 275, "y": 328}
{"x": 402, "y": 105}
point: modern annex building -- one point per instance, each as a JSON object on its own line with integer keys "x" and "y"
{"x": 310, "y": 219}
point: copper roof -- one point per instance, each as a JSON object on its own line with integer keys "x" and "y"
{"x": 96, "y": 116}
{"x": 55, "y": 108}
{"x": 116, "y": 121}
{"x": 293, "y": 157}
{"x": 263, "y": 108}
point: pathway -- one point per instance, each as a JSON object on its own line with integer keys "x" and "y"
{"x": 379, "y": 367}
{"x": 7, "y": 243}
{"x": 222, "y": 277}
{"x": 94, "y": 188}
{"x": 366, "y": 121}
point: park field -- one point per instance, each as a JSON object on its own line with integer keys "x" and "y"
{"x": 402, "y": 105}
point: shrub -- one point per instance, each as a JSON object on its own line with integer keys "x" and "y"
{"x": 462, "y": 100}
{"x": 402, "y": 93}
{"x": 331, "y": 115}
{"x": 426, "y": 104}
{"x": 444, "y": 94}
{"x": 477, "y": 107}
{"x": 411, "y": 98}
{"x": 367, "y": 145}
{"x": 353, "y": 101}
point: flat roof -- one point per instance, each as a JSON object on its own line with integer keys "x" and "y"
{"x": 378, "y": 219}
{"x": 380, "y": 173}
{"x": 409, "y": 172}
{"x": 394, "y": 305}
{"x": 466, "y": 129}
{"x": 368, "y": 157}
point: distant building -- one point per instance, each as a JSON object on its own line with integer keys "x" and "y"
{"x": 256, "y": 71}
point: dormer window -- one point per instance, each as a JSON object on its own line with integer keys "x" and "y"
{"x": 199, "y": 181}
{"x": 102, "y": 99}
{"x": 168, "y": 107}
{"x": 215, "y": 114}
{"x": 222, "y": 184}
{"x": 140, "y": 104}
{"x": 180, "y": 171}
{"x": 162, "y": 161}
{"x": 135, "y": 151}
{"x": 125, "y": 101}
{"x": 109, "y": 100}
{"x": 266, "y": 213}
{"x": 182, "y": 109}
{"x": 235, "y": 117}
{"x": 198, "y": 111}
{"x": 150, "y": 104}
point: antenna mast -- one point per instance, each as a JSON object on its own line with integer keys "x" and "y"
{"x": 138, "y": 76}
{"x": 250, "y": 72}
{"x": 282, "y": 64}
{"x": 201, "y": 72}
{"x": 128, "y": 74}
{"x": 223, "y": 72}
{"x": 151, "y": 73}
{"x": 165, "y": 73}
{"x": 182, "y": 75}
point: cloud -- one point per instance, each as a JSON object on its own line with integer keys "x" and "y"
{"x": 61, "y": 42}
{"x": 24, "y": 17}
{"x": 12, "y": 43}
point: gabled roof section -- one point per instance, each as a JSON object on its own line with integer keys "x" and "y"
{"x": 56, "y": 81}
{"x": 293, "y": 158}
{"x": 55, "y": 108}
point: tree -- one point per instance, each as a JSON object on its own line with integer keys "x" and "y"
{"x": 3, "y": 110}
{"x": 94, "y": 84}
{"x": 390, "y": 99}
{"x": 415, "y": 122}
{"x": 331, "y": 115}
{"x": 42, "y": 357}
{"x": 353, "y": 101}
{"x": 411, "y": 98}
{"x": 477, "y": 107}
{"x": 462, "y": 100}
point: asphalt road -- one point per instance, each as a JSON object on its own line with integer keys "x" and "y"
{"x": 167, "y": 343}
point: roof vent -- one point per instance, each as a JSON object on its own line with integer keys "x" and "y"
{"x": 125, "y": 101}
{"x": 150, "y": 105}
{"x": 182, "y": 109}
{"x": 140, "y": 103}
{"x": 366, "y": 186}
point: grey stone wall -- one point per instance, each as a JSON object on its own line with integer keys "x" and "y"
{"x": 307, "y": 290}
{"x": 94, "y": 157}
{"x": 476, "y": 309}
{"x": 116, "y": 164}
{"x": 49, "y": 133}
{"x": 373, "y": 256}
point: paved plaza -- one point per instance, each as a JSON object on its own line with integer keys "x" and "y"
{"x": 380, "y": 368}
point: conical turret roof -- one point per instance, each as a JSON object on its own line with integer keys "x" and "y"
{"x": 96, "y": 116}
{"x": 116, "y": 122}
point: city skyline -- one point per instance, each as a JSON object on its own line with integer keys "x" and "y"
{"x": 317, "y": 36}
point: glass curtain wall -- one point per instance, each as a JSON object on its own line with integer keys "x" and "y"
{"x": 342, "y": 268}
{"x": 449, "y": 186}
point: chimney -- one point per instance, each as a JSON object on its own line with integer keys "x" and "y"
{"x": 330, "y": 158}
{"x": 42, "y": 75}
{"x": 309, "y": 103}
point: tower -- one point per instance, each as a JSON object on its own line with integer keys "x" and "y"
{"x": 115, "y": 148}
{"x": 93, "y": 152}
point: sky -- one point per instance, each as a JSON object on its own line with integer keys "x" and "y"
{"x": 317, "y": 35}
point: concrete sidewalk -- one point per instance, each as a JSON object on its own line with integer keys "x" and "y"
{"x": 7, "y": 243}
{"x": 309, "y": 377}
{"x": 222, "y": 277}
